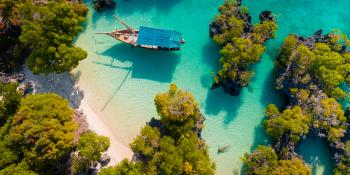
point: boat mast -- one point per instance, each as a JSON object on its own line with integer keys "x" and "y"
{"x": 125, "y": 24}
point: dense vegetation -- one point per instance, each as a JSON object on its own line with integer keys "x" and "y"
{"x": 344, "y": 162}
{"x": 265, "y": 161}
{"x": 311, "y": 73}
{"x": 242, "y": 44}
{"x": 37, "y": 135}
{"x": 291, "y": 122}
{"x": 41, "y": 33}
{"x": 172, "y": 144}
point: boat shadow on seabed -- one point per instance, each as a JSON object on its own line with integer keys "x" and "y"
{"x": 146, "y": 64}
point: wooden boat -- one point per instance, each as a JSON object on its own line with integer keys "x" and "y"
{"x": 149, "y": 38}
{"x": 223, "y": 148}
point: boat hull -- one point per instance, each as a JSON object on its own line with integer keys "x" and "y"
{"x": 128, "y": 37}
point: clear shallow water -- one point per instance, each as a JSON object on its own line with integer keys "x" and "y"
{"x": 121, "y": 82}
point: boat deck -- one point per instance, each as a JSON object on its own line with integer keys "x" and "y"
{"x": 132, "y": 39}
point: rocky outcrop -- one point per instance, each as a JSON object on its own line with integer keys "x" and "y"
{"x": 230, "y": 87}
{"x": 318, "y": 37}
{"x": 104, "y": 160}
{"x": 285, "y": 147}
{"x": 266, "y": 16}
{"x": 80, "y": 119}
{"x": 11, "y": 78}
{"x": 214, "y": 29}
{"x": 99, "y": 4}
{"x": 18, "y": 78}
{"x": 347, "y": 113}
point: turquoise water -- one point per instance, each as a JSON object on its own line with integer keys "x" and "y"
{"x": 120, "y": 82}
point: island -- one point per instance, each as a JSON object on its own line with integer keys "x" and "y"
{"x": 171, "y": 144}
{"x": 241, "y": 42}
{"x": 312, "y": 73}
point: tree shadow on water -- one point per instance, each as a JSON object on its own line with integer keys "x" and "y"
{"x": 146, "y": 64}
{"x": 269, "y": 93}
{"x": 217, "y": 101}
{"x": 211, "y": 56}
{"x": 316, "y": 153}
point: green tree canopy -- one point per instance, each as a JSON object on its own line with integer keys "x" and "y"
{"x": 322, "y": 62}
{"x": 9, "y": 101}
{"x": 291, "y": 121}
{"x": 91, "y": 145}
{"x": 52, "y": 49}
{"x": 343, "y": 166}
{"x": 17, "y": 169}
{"x": 347, "y": 147}
{"x": 178, "y": 110}
{"x": 241, "y": 42}
{"x": 125, "y": 167}
{"x": 7, "y": 155}
{"x": 185, "y": 156}
{"x": 313, "y": 73}
{"x": 264, "y": 161}
{"x": 330, "y": 117}
{"x": 42, "y": 128}
{"x": 42, "y": 30}
{"x": 263, "y": 31}
{"x": 147, "y": 142}
{"x": 178, "y": 150}
{"x": 293, "y": 166}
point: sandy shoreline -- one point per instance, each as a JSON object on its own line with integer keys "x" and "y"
{"x": 64, "y": 85}
{"x": 116, "y": 151}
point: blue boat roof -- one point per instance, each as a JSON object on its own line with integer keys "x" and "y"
{"x": 159, "y": 37}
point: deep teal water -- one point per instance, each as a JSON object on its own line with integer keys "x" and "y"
{"x": 120, "y": 82}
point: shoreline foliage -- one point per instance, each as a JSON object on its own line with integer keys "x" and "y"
{"x": 37, "y": 136}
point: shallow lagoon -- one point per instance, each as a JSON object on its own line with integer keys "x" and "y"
{"x": 120, "y": 82}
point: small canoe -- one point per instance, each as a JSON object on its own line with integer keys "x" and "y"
{"x": 223, "y": 148}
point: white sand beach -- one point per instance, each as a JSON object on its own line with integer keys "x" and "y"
{"x": 116, "y": 151}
